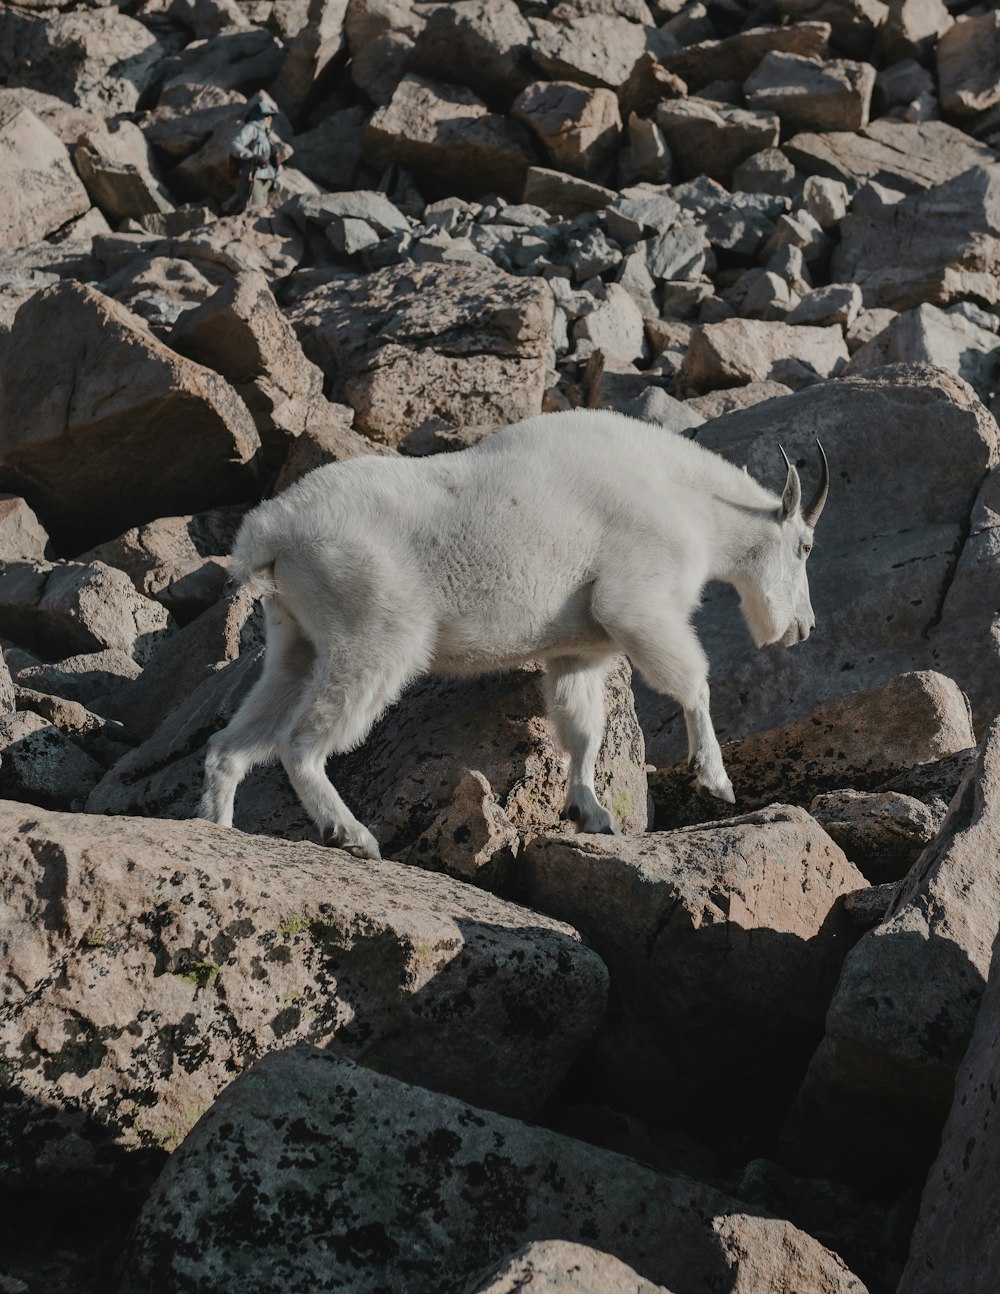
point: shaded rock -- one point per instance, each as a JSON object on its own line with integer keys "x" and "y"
{"x": 159, "y": 289}
{"x": 81, "y": 678}
{"x": 735, "y": 57}
{"x": 408, "y": 343}
{"x": 232, "y": 60}
{"x": 329, "y": 441}
{"x": 118, "y": 169}
{"x": 854, "y": 24}
{"x": 190, "y": 951}
{"x": 932, "y": 336}
{"x": 906, "y": 1003}
{"x": 768, "y": 171}
{"x": 723, "y": 945}
{"x": 899, "y": 154}
{"x": 40, "y": 190}
{"x": 477, "y": 1168}
{"x": 912, "y": 28}
{"x": 968, "y": 64}
{"x": 178, "y": 561}
{"x": 240, "y": 333}
{"x": 41, "y": 765}
{"x": 381, "y": 36}
{"x": 599, "y": 49}
{"x": 890, "y": 534}
{"x": 564, "y": 195}
{"x": 186, "y": 115}
{"x": 545, "y": 1265}
{"x": 482, "y": 44}
{"x": 940, "y": 246}
{"x": 579, "y": 126}
{"x": 448, "y": 134}
{"x": 811, "y": 95}
{"x": 882, "y": 834}
{"x": 22, "y": 537}
{"x": 311, "y": 54}
{"x": 98, "y": 59}
{"x": 116, "y": 429}
{"x": 837, "y": 303}
{"x": 955, "y": 1239}
{"x": 746, "y": 350}
{"x": 729, "y": 399}
{"x": 859, "y": 740}
{"x": 710, "y": 138}
{"x": 8, "y": 702}
{"x": 332, "y": 152}
{"x": 72, "y": 607}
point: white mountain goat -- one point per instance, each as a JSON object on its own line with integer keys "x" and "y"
{"x": 568, "y": 538}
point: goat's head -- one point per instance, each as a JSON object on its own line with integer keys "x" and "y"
{"x": 775, "y": 600}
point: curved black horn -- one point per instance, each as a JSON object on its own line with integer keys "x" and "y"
{"x": 811, "y": 514}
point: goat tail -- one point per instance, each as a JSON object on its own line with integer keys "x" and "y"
{"x": 254, "y": 555}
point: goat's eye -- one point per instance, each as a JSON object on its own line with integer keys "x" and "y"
{"x": 806, "y": 549}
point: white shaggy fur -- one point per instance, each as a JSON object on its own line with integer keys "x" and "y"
{"x": 569, "y": 538}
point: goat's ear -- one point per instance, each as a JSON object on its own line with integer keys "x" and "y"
{"x": 792, "y": 497}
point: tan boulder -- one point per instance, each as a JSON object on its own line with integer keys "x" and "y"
{"x": 968, "y": 64}
{"x": 380, "y": 36}
{"x": 186, "y": 115}
{"x": 882, "y": 833}
{"x": 22, "y": 536}
{"x": 734, "y": 57}
{"x": 723, "y": 941}
{"x": 564, "y": 195}
{"x": 879, "y": 1087}
{"x": 579, "y": 126}
{"x": 410, "y": 342}
{"x": 196, "y": 950}
{"x": 310, "y": 54}
{"x": 115, "y": 429}
{"x": 449, "y": 135}
{"x": 710, "y": 138}
{"x": 40, "y": 190}
{"x": 267, "y": 242}
{"x": 599, "y": 49}
{"x": 330, "y": 440}
{"x": 231, "y": 60}
{"x": 471, "y": 1187}
{"x": 119, "y": 170}
{"x": 482, "y": 44}
{"x": 809, "y": 94}
{"x": 738, "y": 351}
{"x": 562, "y": 1265}
{"x": 854, "y": 24}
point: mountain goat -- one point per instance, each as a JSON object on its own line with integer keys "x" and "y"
{"x": 568, "y": 538}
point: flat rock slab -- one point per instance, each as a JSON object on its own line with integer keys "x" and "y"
{"x": 39, "y": 190}
{"x": 412, "y": 342}
{"x": 375, "y": 1186}
{"x": 149, "y": 962}
{"x": 724, "y": 943}
{"x": 905, "y": 1007}
{"x": 735, "y": 57}
{"x": 115, "y": 429}
{"x": 738, "y": 351}
{"x": 888, "y": 547}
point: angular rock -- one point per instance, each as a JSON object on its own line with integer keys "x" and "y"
{"x": 545, "y": 1265}
{"x": 825, "y": 200}
{"x": 898, "y": 513}
{"x": 329, "y": 441}
{"x": 882, "y": 834}
{"x": 912, "y": 28}
{"x": 232, "y": 60}
{"x": 898, "y": 154}
{"x": 332, "y": 152}
{"x": 710, "y": 138}
{"x": 680, "y": 253}
{"x": 22, "y": 537}
{"x": 96, "y": 58}
{"x": 186, "y": 115}
{"x": 616, "y": 326}
{"x": 837, "y": 303}
{"x": 647, "y": 155}
{"x": 728, "y": 400}
{"x": 735, "y": 57}
{"x": 955, "y": 1239}
{"x": 768, "y": 172}
{"x": 481, "y": 44}
{"x": 408, "y": 343}
{"x": 74, "y": 607}
{"x": 860, "y": 740}
{"x": 311, "y": 54}
{"x": 746, "y": 350}
{"x": 240, "y": 333}
{"x": 564, "y": 195}
{"x": 579, "y": 126}
{"x": 381, "y": 35}
{"x": 939, "y": 246}
{"x": 271, "y": 244}
{"x": 589, "y": 49}
{"x": 116, "y": 429}
{"x": 159, "y": 289}
{"x": 931, "y": 336}
{"x": 905, "y": 1007}
{"x": 118, "y": 169}
{"x": 40, "y": 190}
{"x": 475, "y": 1169}
{"x": 81, "y": 679}
{"x": 41, "y": 765}
{"x": 811, "y": 95}
{"x": 449, "y": 135}
{"x": 968, "y": 64}
{"x": 196, "y": 950}
{"x": 854, "y": 24}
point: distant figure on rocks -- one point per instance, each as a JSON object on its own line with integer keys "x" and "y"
{"x": 255, "y": 154}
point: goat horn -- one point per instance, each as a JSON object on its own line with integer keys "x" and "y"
{"x": 811, "y": 514}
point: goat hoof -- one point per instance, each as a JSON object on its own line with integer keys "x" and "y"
{"x": 571, "y": 813}
{"x": 359, "y": 843}
{"x": 721, "y": 791}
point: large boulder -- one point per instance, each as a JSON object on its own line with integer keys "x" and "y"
{"x": 550, "y": 1265}
{"x": 968, "y": 65}
{"x": 149, "y": 962}
{"x": 811, "y": 95}
{"x": 40, "y": 190}
{"x": 113, "y": 429}
{"x": 880, "y": 1084}
{"x": 735, "y": 57}
{"x": 373, "y": 1185}
{"x": 738, "y": 351}
{"x": 119, "y": 170}
{"x": 711, "y": 138}
{"x": 482, "y": 44}
{"x": 595, "y": 48}
{"x": 724, "y": 942}
{"x": 311, "y": 55}
{"x": 448, "y": 134}
{"x": 886, "y": 547}
{"x": 579, "y": 126}
{"x": 412, "y": 342}
{"x": 940, "y": 246}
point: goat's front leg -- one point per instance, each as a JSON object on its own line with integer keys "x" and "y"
{"x": 574, "y": 692}
{"x": 704, "y": 754}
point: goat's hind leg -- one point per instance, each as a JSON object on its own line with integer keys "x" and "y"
{"x": 251, "y": 736}
{"x": 574, "y": 692}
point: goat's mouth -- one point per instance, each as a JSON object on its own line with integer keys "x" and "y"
{"x": 797, "y": 632}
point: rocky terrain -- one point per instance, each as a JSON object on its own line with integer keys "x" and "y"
{"x": 745, "y": 1048}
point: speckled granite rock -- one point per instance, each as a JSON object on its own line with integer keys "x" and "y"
{"x": 149, "y": 962}
{"x": 313, "y": 1171}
